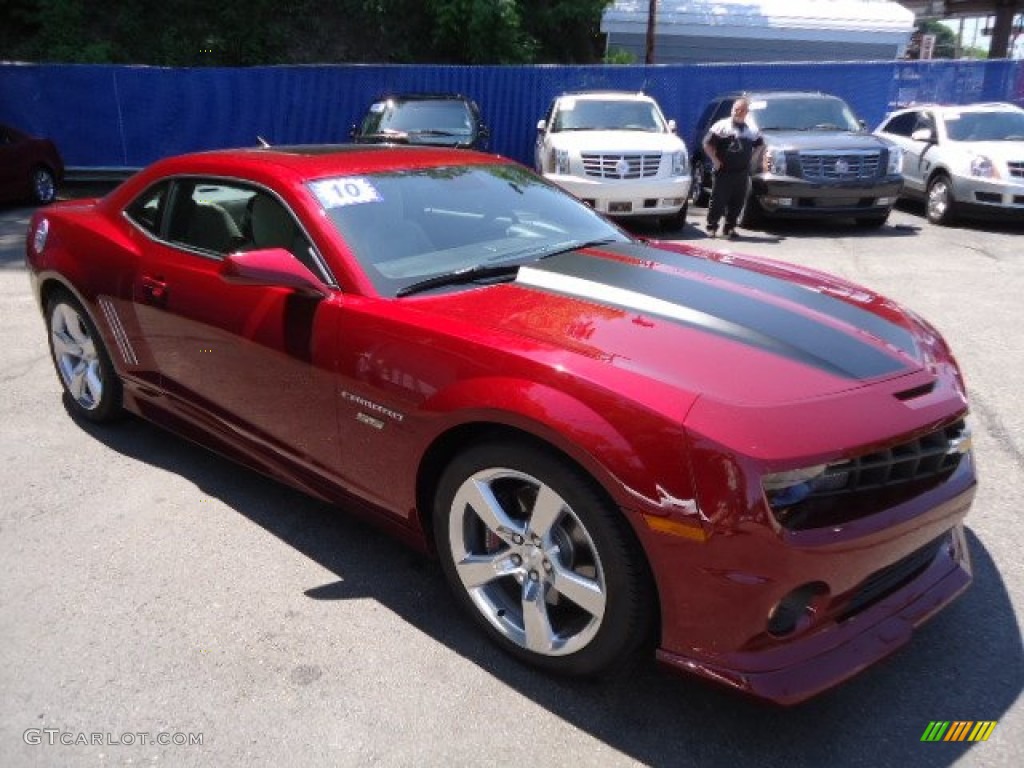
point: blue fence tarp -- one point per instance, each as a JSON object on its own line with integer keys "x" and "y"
{"x": 121, "y": 117}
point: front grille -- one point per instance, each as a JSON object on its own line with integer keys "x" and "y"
{"x": 887, "y": 580}
{"x": 839, "y": 166}
{"x": 867, "y": 484}
{"x": 1016, "y": 169}
{"x": 622, "y": 166}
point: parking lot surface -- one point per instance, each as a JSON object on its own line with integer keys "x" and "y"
{"x": 153, "y": 591}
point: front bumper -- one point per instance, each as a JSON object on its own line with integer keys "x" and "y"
{"x": 820, "y": 661}
{"x": 787, "y": 196}
{"x": 987, "y": 197}
{"x": 642, "y": 197}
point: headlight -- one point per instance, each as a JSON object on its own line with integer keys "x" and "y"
{"x": 983, "y": 167}
{"x": 895, "y": 161}
{"x": 680, "y": 163}
{"x": 562, "y": 161}
{"x": 775, "y": 162}
{"x": 792, "y": 486}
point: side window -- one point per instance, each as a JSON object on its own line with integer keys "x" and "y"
{"x": 271, "y": 225}
{"x": 209, "y": 215}
{"x": 902, "y": 125}
{"x": 148, "y": 209}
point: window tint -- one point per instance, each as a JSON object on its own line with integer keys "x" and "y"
{"x": 902, "y": 125}
{"x": 148, "y": 209}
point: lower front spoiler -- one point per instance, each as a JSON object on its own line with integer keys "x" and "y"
{"x": 822, "y": 660}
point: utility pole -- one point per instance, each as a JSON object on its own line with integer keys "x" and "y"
{"x": 652, "y": 13}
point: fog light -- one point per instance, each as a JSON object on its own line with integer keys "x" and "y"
{"x": 886, "y": 201}
{"x": 670, "y": 202}
{"x": 784, "y": 201}
{"x": 797, "y": 609}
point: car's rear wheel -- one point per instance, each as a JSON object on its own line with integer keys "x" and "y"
{"x": 542, "y": 560}
{"x": 83, "y": 365}
{"x": 940, "y": 205}
{"x": 44, "y": 185}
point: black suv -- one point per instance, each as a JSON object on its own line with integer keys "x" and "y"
{"x": 817, "y": 161}
{"x": 437, "y": 119}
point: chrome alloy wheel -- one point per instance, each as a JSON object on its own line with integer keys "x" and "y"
{"x": 44, "y": 186}
{"x": 527, "y": 562}
{"x": 940, "y": 200}
{"x": 76, "y": 356}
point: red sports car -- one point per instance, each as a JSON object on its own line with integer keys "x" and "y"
{"x": 763, "y": 469}
{"x": 30, "y": 167}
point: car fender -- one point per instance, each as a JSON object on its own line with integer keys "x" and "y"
{"x": 636, "y": 476}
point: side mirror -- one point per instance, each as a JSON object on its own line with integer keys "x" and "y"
{"x": 541, "y": 126}
{"x": 923, "y": 134}
{"x": 672, "y": 126}
{"x": 271, "y": 268}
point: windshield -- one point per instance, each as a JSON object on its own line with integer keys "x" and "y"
{"x": 405, "y": 227}
{"x": 445, "y": 116}
{"x": 611, "y": 115}
{"x": 985, "y": 126}
{"x": 802, "y": 114}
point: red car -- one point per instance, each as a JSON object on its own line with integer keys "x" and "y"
{"x": 30, "y": 167}
{"x": 762, "y": 468}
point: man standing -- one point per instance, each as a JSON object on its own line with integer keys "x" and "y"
{"x": 729, "y": 144}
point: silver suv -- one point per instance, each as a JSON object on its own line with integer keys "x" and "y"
{"x": 963, "y": 160}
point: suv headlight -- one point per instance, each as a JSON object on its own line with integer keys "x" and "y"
{"x": 982, "y": 166}
{"x": 680, "y": 163}
{"x": 895, "y": 161}
{"x": 775, "y": 162}
{"x": 562, "y": 161}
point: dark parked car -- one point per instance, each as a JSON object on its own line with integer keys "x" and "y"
{"x": 818, "y": 160}
{"x": 611, "y": 445}
{"x": 442, "y": 120}
{"x": 30, "y": 167}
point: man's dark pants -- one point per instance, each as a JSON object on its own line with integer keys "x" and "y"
{"x": 728, "y": 193}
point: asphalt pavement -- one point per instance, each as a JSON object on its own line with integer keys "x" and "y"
{"x": 154, "y": 592}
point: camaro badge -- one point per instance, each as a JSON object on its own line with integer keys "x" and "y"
{"x": 372, "y": 406}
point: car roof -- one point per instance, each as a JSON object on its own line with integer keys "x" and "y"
{"x": 424, "y": 97}
{"x": 778, "y": 94}
{"x": 987, "y": 106}
{"x": 310, "y": 161}
{"x": 610, "y": 94}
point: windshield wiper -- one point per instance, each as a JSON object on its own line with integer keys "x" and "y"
{"x": 434, "y": 132}
{"x": 467, "y": 275}
{"x": 395, "y": 136}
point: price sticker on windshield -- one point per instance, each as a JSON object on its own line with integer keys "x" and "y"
{"x": 336, "y": 193}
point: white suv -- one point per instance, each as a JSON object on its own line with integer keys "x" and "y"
{"x": 617, "y": 153}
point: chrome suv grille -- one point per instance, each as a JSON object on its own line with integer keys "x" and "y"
{"x": 869, "y": 483}
{"x": 1017, "y": 169}
{"x": 839, "y": 166}
{"x": 620, "y": 166}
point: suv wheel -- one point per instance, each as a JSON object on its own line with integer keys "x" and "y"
{"x": 753, "y": 215}
{"x": 940, "y": 206}
{"x": 676, "y": 221}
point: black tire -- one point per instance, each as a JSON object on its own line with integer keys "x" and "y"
{"x": 676, "y": 221}
{"x": 939, "y": 204}
{"x": 519, "y": 568}
{"x": 752, "y": 216}
{"x": 700, "y": 193}
{"x": 44, "y": 185}
{"x": 91, "y": 385}
{"x": 872, "y": 222}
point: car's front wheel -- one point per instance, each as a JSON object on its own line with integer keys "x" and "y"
{"x": 940, "y": 205}
{"x": 700, "y": 194}
{"x": 82, "y": 363}
{"x": 44, "y": 185}
{"x": 542, "y": 560}
{"x": 676, "y": 221}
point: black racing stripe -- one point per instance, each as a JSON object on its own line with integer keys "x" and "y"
{"x": 728, "y": 314}
{"x": 877, "y": 326}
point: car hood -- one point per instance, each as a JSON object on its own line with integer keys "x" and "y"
{"x": 824, "y": 140}
{"x": 741, "y": 330}
{"x": 616, "y": 141}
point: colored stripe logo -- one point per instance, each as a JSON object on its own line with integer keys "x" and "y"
{"x": 958, "y": 730}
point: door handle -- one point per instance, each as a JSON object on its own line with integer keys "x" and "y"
{"x": 154, "y": 290}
